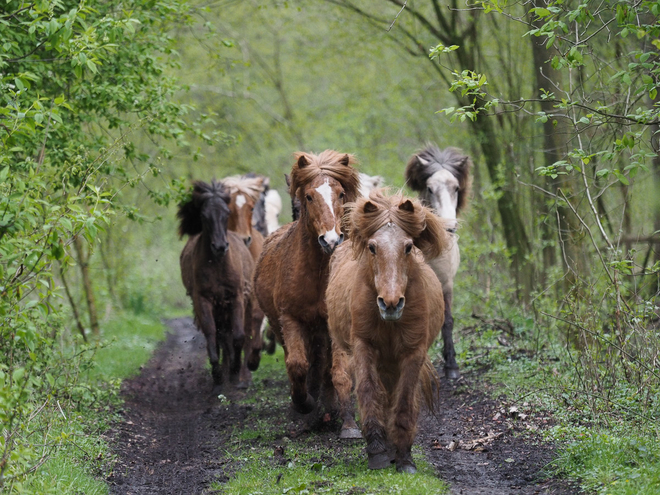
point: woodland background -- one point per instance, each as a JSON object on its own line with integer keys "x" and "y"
{"x": 109, "y": 109}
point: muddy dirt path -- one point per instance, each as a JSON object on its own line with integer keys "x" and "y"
{"x": 171, "y": 438}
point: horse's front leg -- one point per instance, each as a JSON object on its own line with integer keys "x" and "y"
{"x": 237, "y": 337}
{"x": 206, "y": 321}
{"x": 405, "y": 409}
{"x": 255, "y": 341}
{"x": 372, "y": 398}
{"x": 448, "y": 352}
{"x": 297, "y": 365}
{"x": 343, "y": 383}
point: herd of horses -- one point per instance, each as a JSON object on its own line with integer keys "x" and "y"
{"x": 355, "y": 289}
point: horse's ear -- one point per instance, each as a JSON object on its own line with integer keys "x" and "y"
{"x": 407, "y": 205}
{"x": 369, "y": 207}
{"x": 421, "y": 160}
{"x": 303, "y": 162}
{"x": 345, "y": 160}
{"x": 287, "y": 178}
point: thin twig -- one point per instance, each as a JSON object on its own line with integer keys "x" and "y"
{"x": 397, "y": 16}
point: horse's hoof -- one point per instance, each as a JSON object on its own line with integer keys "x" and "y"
{"x": 304, "y": 407}
{"x": 270, "y": 347}
{"x": 407, "y": 467}
{"x": 216, "y": 373}
{"x": 253, "y": 363}
{"x": 243, "y": 384}
{"x": 452, "y": 373}
{"x": 379, "y": 461}
{"x": 350, "y": 434}
{"x": 217, "y": 390}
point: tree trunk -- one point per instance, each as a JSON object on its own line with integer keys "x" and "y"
{"x": 555, "y": 148}
{"x": 83, "y": 263}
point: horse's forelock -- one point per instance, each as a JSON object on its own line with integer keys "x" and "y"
{"x": 331, "y": 163}
{"x": 362, "y": 225}
{"x": 250, "y": 186}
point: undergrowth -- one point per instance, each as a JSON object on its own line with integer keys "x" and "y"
{"x": 609, "y": 440}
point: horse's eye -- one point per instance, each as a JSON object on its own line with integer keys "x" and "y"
{"x": 429, "y": 190}
{"x": 372, "y": 248}
{"x": 309, "y": 198}
{"x": 408, "y": 248}
{"x": 341, "y": 195}
{"x": 457, "y": 188}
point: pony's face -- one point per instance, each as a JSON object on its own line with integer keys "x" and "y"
{"x": 390, "y": 251}
{"x": 441, "y": 194}
{"x": 215, "y": 217}
{"x": 323, "y": 201}
{"x": 240, "y": 217}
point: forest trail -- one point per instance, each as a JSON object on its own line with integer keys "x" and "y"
{"x": 172, "y": 436}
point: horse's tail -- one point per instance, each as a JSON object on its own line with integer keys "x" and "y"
{"x": 430, "y": 383}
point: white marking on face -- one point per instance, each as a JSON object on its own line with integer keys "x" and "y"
{"x": 240, "y": 201}
{"x": 326, "y": 193}
{"x": 444, "y": 198}
{"x": 331, "y": 237}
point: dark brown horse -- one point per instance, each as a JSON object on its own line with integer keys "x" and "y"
{"x": 245, "y": 194}
{"x": 442, "y": 179}
{"x": 292, "y": 273}
{"x": 216, "y": 268}
{"x": 385, "y": 309}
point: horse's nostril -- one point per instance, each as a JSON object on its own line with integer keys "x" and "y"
{"x": 402, "y": 301}
{"x": 381, "y": 303}
{"x": 248, "y": 240}
{"x": 322, "y": 241}
{"x": 341, "y": 239}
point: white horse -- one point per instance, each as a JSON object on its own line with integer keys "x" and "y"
{"x": 441, "y": 178}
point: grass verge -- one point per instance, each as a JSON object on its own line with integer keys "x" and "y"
{"x": 82, "y": 458}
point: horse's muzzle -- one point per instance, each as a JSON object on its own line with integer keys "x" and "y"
{"x": 389, "y": 312}
{"x": 329, "y": 247}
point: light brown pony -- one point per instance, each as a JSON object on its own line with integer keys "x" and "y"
{"x": 216, "y": 269}
{"x": 385, "y": 308}
{"x": 244, "y": 193}
{"x": 292, "y": 273}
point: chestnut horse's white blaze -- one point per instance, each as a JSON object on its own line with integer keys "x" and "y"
{"x": 331, "y": 236}
{"x": 240, "y": 201}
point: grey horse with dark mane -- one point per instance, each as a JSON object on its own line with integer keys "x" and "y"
{"x": 442, "y": 180}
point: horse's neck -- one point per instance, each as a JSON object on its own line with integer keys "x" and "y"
{"x": 314, "y": 255}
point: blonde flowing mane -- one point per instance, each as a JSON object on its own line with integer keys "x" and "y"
{"x": 308, "y": 166}
{"x": 251, "y": 187}
{"x": 367, "y": 215}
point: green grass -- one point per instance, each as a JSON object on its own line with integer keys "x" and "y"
{"x": 309, "y": 465}
{"x": 127, "y": 343}
{"x": 83, "y": 459}
{"x": 611, "y": 464}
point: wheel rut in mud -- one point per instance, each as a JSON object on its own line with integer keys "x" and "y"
{"x": 173, "y": 431}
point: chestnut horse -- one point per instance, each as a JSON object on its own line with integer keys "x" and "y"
{"x": 216, "y": 269}
{"x": 441, "y": 177}
{"x": 245, "y": 193}
{"x": 292, "y": 273}
{"x": 385, "y": 309}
